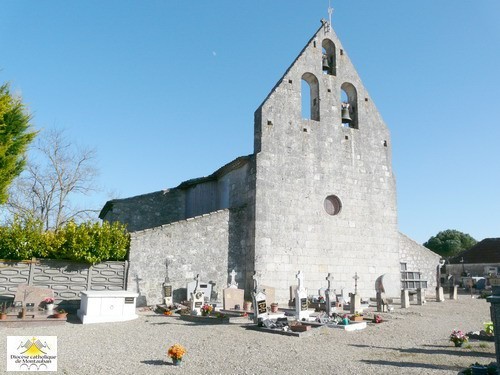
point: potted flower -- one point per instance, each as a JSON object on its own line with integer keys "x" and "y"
{"x": 206, "y": 309}
{"x": 176, "y": 352}
{"x": 274, "y": 307}
{"x": 61, "y": 313}
{"x": 49, "y": 304}
{"x": 458, "y": 337}
{"x": 357, "y": 317}
{"x": 377, "y": 319}
{"x": 3, "y": 311}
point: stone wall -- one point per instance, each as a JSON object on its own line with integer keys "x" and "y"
{"x": 179, "y": 251}
{"x": 67, "y": 279}
{"x": 419, "y": 259}
{"x": 146, "y": 211}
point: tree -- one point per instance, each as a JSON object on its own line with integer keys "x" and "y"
{"x": 449, "y": 243}
{"x": 15, "y": 137}
{"x": 56, "y": 175}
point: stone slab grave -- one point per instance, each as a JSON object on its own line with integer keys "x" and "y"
{"x": 352, "y": 326}
{"x": 355, "y": 305}
{"x": 103, "y": 306}
{"x": 31, "y": 296}
{"x": 232, "y": 297}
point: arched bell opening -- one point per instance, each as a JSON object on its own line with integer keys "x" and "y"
{"x": 329, "y": 61}
{"x": 310, "y": 97}
{"x": 349, "y": 106}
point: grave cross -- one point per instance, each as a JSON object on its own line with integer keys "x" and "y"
{"x": 197, "y": 279}
{"x": 233, "y": 283}
{"x": 255, "y": 282}
{"x": 356, "y": 277}
{"x": 329, "y": 278}
{"x": 300, "y": 278}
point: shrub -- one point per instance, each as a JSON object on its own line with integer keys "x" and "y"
{"x": 86, "y": 242}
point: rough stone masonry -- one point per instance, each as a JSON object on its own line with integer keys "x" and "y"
{"x": 318, "y": 194}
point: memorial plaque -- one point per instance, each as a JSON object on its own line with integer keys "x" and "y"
{"x": 129, "y": 300}
{"x": 198, "y": 304}
{"x": 303, "y": 304}
{"x": 262, "y": 307}
{"x": 168, "y": 290}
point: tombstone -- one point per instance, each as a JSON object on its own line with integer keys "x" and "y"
{"x": 31, "y": 296}
{"x": 421, "y": 296}
{"x": 270, "y": 293}
{"x": 200, "y": 286}
{"x": 301, "y": 298}
{"x": 355, "y": 305}
{"x": 405, "y": 299}
{"x": 454, "y": 292}
{"x": 329, "y": 296}
{"x": 196, "y": 302}
{"x": 439, "y": 288}
{"x": 322, "y": 292}
{"x": 293, "y": 289}
{"x": 259, "y": 302}
{"x": 232, "y": 296}
{"x": 167, "y": 289}
{"x": 389, "y": 284}
{"x": 382, "y": 304}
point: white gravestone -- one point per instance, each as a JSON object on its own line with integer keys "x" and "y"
{"x": 197, "y": 297}
{"x": 232, "y": 297}
{"x": 200, "y": 286}
{"x": 301, "y": 298}
{"x": 259, "y": 302}
{"x": 233, "y": 284}
{"x": 329, "y": 296}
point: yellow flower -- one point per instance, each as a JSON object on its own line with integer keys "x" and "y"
{"x": 176, "y": 351}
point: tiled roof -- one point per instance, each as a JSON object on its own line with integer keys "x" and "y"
{"x": 485, "y": 251}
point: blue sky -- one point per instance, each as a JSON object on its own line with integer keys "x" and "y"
{"x": 165, "y": 90}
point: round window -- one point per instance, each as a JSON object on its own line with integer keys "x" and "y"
{"x": 333, "y": 205}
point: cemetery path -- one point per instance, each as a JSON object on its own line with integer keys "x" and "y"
{"x": 410, "y": 341}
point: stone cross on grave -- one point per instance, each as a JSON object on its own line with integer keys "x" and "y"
{"x": 356, "y": 278}
{"x": 233, "y": 283}
{"x": 329, "y": 278}
{"x": 197, "y": 279}
{"x": 300, "y": 278}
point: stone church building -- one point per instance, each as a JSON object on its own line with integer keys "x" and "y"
{"x": 318, "y": 194}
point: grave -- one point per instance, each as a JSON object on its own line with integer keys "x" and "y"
{"x": 107, "y": 306}
{"x": 454, "y": 292}
{"x": 405, "y": 299}
{"x": 355, "y": 305}
{"x": 382, "y": 303}
{"x": 421, "y": 296}
{"x": 301, "y": 305}
{"x": 439, "y": 288}
{"x": 197, "y": 296}
{"x": 168, "y": 292}
{"x": 200, "y": 286}
{"x": 31, "y": 296}
{"x": 232, "y": 297}
{"x": 330, "y": 297}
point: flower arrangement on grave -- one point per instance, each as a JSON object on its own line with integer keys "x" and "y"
{"x": 176, "y": 352}
{"x": 220, "y": 315}
{"x": 321, "y": 299}
{"x": 206, "y": 309}
{"x": 356, "y": 317}
{"x": 488, "y": 328}
{"x": 167, "y": 312}
{"x": 48, "y": 300}
{"x": 377, "y": 319}
{"x": 458, "y": 337}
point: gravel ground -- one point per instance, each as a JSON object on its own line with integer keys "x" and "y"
{"x": 411, "y": 341}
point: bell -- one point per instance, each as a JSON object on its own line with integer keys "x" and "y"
{"x": 326, "y": 65}
{"x": 346, "y": 118}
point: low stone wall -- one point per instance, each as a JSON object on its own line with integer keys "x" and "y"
{"x": 178, "y": 252}
{"x": 419, "y": 259}
{"x": 67, "y": 279}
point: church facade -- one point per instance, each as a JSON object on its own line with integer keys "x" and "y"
{"x": 318, "y": 194}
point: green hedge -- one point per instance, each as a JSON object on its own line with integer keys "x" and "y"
{"x": 86, "y": 242}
